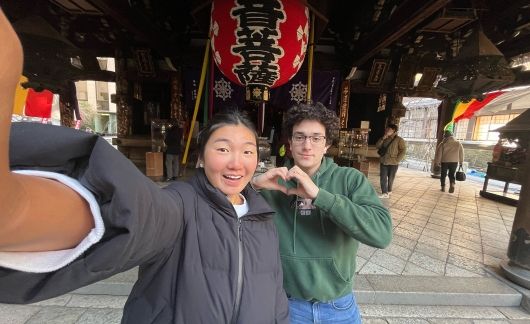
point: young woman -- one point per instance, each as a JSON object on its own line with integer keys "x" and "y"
{"x": 75, "y": 211}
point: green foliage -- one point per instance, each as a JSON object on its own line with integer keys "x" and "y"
{"x": 88, "y": 114}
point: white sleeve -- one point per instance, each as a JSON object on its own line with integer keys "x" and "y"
{"x": 48, "y": 261}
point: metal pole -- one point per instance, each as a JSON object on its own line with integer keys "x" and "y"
{"x": 197, "y": 101}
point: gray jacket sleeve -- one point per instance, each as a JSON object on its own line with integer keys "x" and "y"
{"x": 142, "y": 221}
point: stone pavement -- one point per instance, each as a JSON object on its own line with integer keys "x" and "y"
{"x": 437, "y": 233}
{"x": 440, "y": 267}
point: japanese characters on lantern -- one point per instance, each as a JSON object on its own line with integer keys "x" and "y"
{"x": 259, "y": 44}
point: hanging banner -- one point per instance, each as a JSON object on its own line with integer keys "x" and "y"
{"x": 325, "y": 90}
{"x": 466, "y": 110}
{"x": 228, "y": 94}
{"x": 344, "y": 103}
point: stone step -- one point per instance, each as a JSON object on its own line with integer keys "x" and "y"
{"x": 442, "y": 291}
{"x": 422, "y": 314}
{"x": 382, "y": 289}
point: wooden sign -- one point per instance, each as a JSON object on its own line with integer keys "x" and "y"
{"x": 378, "y": 73}
{"x": 344, "y": 103}
{"x": 144, "y": 62}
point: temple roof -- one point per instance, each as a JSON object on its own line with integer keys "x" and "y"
{"x": 439, "y": 38}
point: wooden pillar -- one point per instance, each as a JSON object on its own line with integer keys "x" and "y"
{"x": 518, "y": 268}
{"x": 124, "y": 111}
{"x": 177, "y": 107}
{"x": 67, "y": 113}
{"x": 398, "y": 110}
{"x": 445, "y": 114}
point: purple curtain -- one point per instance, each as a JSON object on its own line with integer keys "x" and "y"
{"x": 326, "y": 87}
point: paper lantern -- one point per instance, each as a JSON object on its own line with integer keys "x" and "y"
{"x": 260, "y": 44}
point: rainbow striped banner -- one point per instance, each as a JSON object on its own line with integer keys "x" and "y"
{"x": 466, "y": 110}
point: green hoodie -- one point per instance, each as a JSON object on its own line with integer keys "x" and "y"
{"x": 318, "y": 247}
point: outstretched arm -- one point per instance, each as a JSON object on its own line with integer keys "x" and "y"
{"x": 36, "y": 214}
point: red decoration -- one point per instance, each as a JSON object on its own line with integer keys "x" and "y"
{"x": 260, "y": 44}
{"x": 39, "y": 104}
{"x": 475, "y": 105}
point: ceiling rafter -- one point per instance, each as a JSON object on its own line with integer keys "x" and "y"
{"x": 407, "y": 16}
{"x": 135, "y": 23}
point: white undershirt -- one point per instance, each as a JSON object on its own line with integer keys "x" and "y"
{"x": 241, "y": 210}
{"x": 48, "y": 261}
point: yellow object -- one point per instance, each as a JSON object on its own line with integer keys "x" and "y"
{"x": 282, "y": 151}
{"x": 197, "y": 100}
{"x": 20, "y": 97}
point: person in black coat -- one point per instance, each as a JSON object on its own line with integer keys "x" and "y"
{"x": 173, "y": 140}
{"x": 76, "y": 211}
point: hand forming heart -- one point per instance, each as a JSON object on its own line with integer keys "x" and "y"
{"x": 305, "y": 187}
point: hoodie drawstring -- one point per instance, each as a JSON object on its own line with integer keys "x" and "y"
{"x": 295, "y": 216}
{"x": 319, "y": 211}
{"x": 322, "y": 223}
{"x": 294, "y": 227}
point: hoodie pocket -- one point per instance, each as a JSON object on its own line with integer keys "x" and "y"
{"x": 313, "y": 277}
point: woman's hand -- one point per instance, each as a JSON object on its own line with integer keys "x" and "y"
{"x": 269, "y": 180}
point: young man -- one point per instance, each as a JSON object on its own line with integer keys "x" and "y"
{"x": 394, "y": 151}
{"x": 328, "y": 210}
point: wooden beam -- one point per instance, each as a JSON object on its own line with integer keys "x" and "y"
{"x": 407, "y": 16}
{"x": 513, "y": 47}
{"x": 135, "y": 23}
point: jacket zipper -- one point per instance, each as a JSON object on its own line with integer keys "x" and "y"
{"x": 239, "y": 272}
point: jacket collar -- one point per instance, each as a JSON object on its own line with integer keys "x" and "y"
{"x": 257, "y": 206}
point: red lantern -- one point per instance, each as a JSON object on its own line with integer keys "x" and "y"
{"x": 260, "y": 44}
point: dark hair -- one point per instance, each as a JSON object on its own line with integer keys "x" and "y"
{"x": 393, "y": 126}
{"x": 313, "y": 111}
{"x": 224, "y": 118}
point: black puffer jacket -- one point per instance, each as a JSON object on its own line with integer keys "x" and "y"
{"x": 198, "y": 262}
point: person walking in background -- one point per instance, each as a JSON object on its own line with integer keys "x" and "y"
{"x": 449, "y": 154}
{"x": 391, "y": 149}
{"x": 324, "y": 212}
{"x": 173, "y": 142}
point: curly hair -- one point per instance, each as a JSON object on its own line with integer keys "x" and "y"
{"x": 313, "y": 111}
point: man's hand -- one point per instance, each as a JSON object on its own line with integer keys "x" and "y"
{"x": 306, "y": 188}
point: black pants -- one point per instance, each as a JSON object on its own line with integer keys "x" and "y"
{"x": 448, "y": 168}
{"x": 387, "y": 173}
